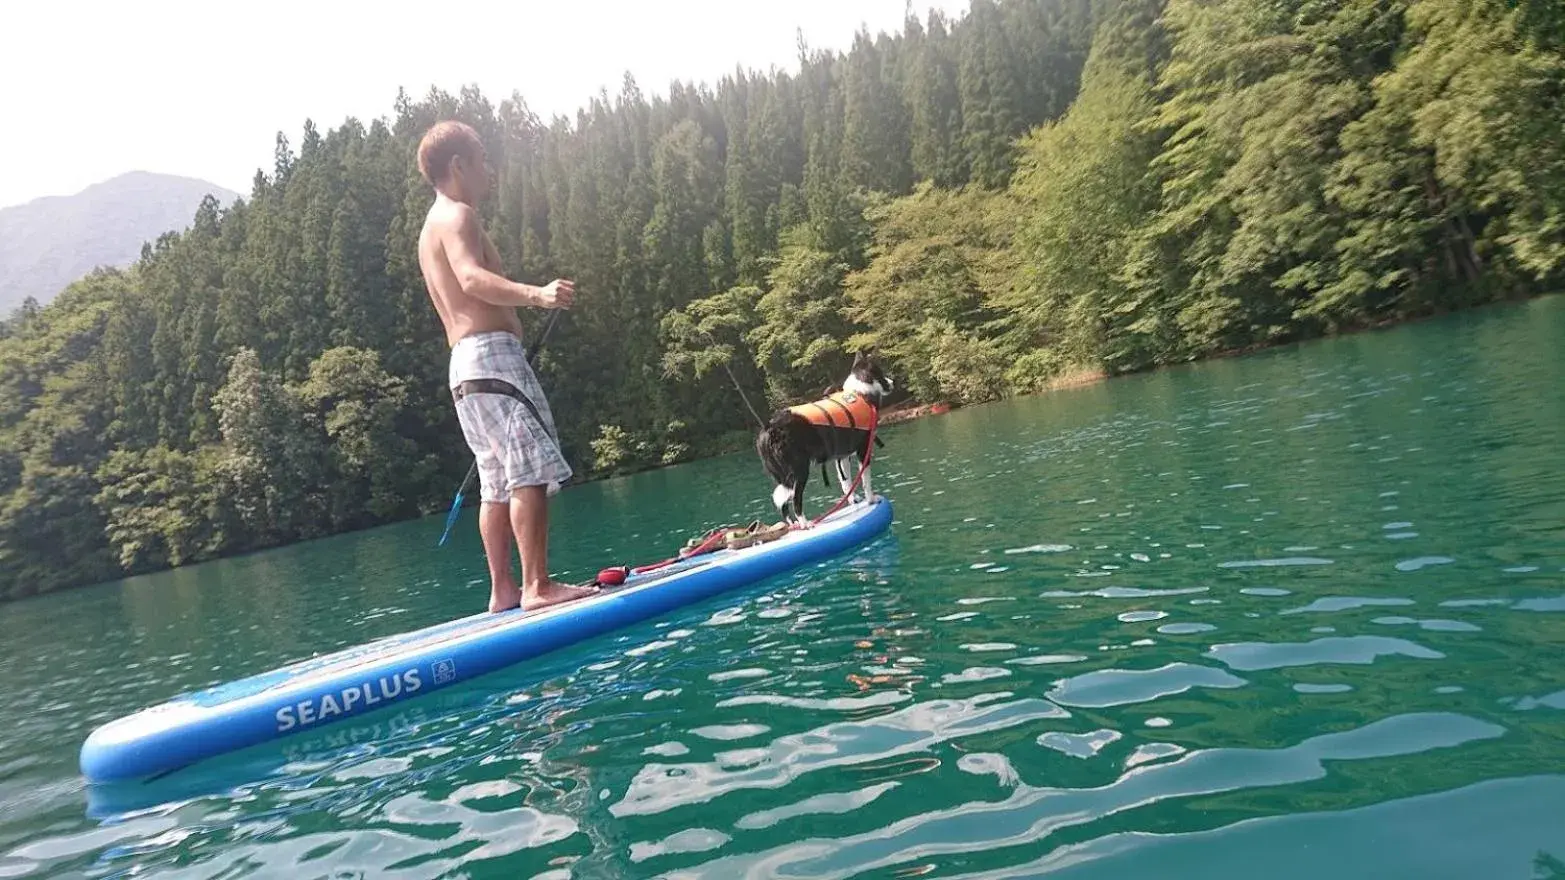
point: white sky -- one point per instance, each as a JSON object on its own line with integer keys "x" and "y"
{"x": 89, "y": 90}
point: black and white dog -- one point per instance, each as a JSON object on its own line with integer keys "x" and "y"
{"x": 833, "y": 429}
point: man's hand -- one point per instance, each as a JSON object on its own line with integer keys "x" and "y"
{"x": 557, "y": 294}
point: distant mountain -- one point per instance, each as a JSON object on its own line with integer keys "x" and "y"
{"x": 47, "y": 243}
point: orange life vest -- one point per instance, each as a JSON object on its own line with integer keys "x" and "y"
{"x": 845, "y": 409}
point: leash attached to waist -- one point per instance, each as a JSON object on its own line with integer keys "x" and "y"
{"x": 487, "y": 386}
{"x": 495, "y": 386}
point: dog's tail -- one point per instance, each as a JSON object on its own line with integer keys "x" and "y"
{"x": 772, "y": 444}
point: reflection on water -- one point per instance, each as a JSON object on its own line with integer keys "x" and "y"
{"x": 1292, "y": 614}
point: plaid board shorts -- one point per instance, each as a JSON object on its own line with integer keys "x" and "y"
{"x": 516, "y": 444}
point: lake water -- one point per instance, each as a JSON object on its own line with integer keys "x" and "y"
{"x": 1293, "y": 615}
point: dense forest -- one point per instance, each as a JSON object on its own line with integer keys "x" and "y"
{"x": 1038, "y": 188}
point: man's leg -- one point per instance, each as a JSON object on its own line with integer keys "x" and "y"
{"x": 494, "y": 525}
{"x": 530, "y": 520}
{"x": 480, "y": 419}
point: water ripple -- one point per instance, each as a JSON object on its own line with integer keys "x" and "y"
{"x": 658, "y": 788}
{"x": 1276, "y": 563}
{"x": 1118, "y": 687}
{"x": 1433, "y": 625}
{"x": 1185, "y": 629}
{"x": 1031, "y": 814}
{"x": 1079, "y": 745}
{"x": 829, "y": 804}
{"x": 1354, "y": 650}
{"x": 1346, "y": 603}
{"x": 1423, "y": 562}
{"x": 1041, "y": 548}
{"x": 1123, "y": 593}
{"x": 690, "y": 840}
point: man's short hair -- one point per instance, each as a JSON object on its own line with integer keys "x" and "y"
{"x": 444, "y": 141}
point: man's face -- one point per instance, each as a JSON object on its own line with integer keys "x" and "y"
{"x": 473, "y": 172}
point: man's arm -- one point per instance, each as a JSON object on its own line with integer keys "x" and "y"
{"x": 465, "y": 247}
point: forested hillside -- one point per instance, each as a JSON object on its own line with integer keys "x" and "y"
{"x": 1041, "y": 187}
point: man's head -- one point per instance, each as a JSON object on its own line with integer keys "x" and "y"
{"x": 451, "y": 158}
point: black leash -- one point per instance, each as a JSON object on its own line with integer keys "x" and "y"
{"x": 759, "y": 422}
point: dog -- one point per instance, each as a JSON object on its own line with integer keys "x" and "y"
{"x": 833, "y": 429}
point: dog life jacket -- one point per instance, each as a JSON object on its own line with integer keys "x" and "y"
{"x": 844, "y": 409}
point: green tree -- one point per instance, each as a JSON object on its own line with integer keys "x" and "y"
{"x": 1083, "y": 188}
{"x": 938, "y": 259}
{"x": 1456, "y": 166}
{"x": 162, "y": 507}
{"x": 990, "y": 93}
{"x": 876, "y": 148}
{"x": 272, "y": 463}
{"x": 800, "y": 340}
{"x": 357, "y": 407}
{"x": 935, "y": 148}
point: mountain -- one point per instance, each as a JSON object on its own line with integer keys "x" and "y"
{"x": 47, "y": 243}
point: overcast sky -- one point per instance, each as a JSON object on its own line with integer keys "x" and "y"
{"x": 89, "y": 90}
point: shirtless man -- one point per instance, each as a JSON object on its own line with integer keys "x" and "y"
{"x": 508, "y": 424}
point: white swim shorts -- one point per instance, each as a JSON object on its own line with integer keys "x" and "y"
{"x": 505, "y": 416}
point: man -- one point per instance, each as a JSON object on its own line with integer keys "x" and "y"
{"x": 508, "y": 424}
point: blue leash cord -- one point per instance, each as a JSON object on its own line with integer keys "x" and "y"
{"x": 456, "y": 503}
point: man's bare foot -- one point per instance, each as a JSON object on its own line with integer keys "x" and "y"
{"x": 553, "y": 593}
{"x": 504, "y": 598}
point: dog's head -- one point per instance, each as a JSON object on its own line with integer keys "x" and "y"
{"x": 867, "y": 378}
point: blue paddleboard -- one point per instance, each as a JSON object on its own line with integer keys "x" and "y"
{"x": 305, "y": 695}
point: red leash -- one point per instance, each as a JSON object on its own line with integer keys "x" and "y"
{"x": 617, "y": 575}
{"x": 869, "y": 453}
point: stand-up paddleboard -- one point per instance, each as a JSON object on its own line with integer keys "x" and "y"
{"x": 305, "y": 695}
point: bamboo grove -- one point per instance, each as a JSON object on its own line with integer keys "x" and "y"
{"x": 1036, "y": 188}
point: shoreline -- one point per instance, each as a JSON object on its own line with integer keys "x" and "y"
{"x": 909, "y": 411}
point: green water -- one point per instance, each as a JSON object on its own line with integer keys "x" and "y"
{"x": 1292, "y": 615}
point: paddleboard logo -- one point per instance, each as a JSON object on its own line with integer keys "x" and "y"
{"x": 365, "y": 694}
{"x": 445, "y": 671}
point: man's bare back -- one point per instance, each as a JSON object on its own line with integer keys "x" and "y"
{"x": 453, "y": 228}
